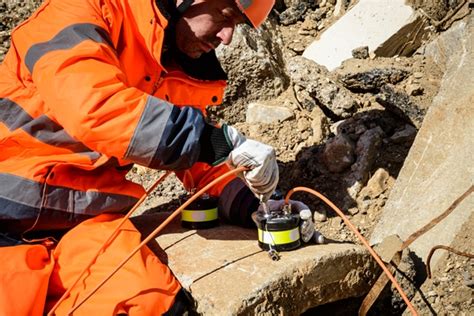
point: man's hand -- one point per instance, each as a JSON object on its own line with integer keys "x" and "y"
{"x": 262, "y": 178}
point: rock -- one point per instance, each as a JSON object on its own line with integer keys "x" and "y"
{"x": 417, "y": 75}
{"x": 336, "y": 222}
{"x": 319, "y": 125}
{"x": 338, "y": 154}
{"x": 414, "y": 89}
{"x": 335, "y": 128}
{"x": 353, "y": 189}
{"x": 320, "y": 216}
{"x": 389, "y": 247}
{"x": 467, "y": 279}
{"x": 366, "y": 151}
{"x": 318, "y": 15}
{"x": 373, "y": 80}
{"x": 364, "y": 206}
{"x": 308, "y": 27}
{"x": 361, "y": 52}
{"x": 405, "y": 135}
{"x": 255, "y": 67}
{"x": 353, "y": 211}
{"x": 401, "y": 105}
{"x": 297, "y": 47}
{"x": 293, "y": 13}
{"x": 408, "y": 39}
{"x": 340, "y": 7}
{"x": 313, "y": 87}
{"x": 431, "y": 294}
{"x": 452, "y": 51}
{"x": 376, "y": 185}
{"x": 303, "y": 124}
{"x": 360, "y": 129}
{"x": 262, "y": 113}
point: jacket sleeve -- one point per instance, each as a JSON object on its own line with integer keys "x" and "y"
{"x": 79, "y": 77}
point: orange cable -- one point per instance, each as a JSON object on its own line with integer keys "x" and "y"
{"x": 359, "y": 235}
{"x": 108, "y": 241}
{"x": 156, "y": 231}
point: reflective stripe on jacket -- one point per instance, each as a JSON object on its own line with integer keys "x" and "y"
{"x": 83, "y": 95}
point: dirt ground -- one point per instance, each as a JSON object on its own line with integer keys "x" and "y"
{"x": 302, "y": 143}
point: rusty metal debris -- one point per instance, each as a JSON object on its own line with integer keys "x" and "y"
{"x": 428, "y": 259}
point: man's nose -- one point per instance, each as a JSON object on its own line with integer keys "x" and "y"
{"x": 225, "y": 34}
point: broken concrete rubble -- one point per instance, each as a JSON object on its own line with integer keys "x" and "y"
{"x": 366, "y": 150}
{"x": 254, "y": 65}
{"x": 319, "y": 125}
{"x": 408, "y": 133}
{"x": 372, "y": 80}
{"x": 361, "y": 52}
{"x": 369, "y": 23}
{"x": 313, "y": 87}
{"x": 293, "y": 13}
{"x": 400, "y": 104}
{"x": 338, "y": 153}
{"x": 376, "y": 185}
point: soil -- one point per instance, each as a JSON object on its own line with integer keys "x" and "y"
{"x": 302, "y": 147}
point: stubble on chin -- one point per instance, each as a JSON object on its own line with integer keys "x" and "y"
{"x": 194, "y": 53}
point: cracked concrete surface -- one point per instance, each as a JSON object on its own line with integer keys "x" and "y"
{"x": 228, "y": 274}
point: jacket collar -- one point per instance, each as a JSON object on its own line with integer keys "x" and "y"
{"x": 154, "y": 22}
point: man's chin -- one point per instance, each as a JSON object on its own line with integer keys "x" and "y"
{"x": 196, "y": 55}
{"x": 193, "y": 54}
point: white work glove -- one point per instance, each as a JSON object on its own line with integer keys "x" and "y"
{"x": 262, "y": 178}
{"x": 307, "y": 231}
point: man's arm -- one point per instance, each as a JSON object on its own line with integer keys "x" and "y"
{"x": 87, "y": 93}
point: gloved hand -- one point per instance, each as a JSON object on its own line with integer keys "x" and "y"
{"x": 262, "y": 178}
{"x": 307, "y": 231}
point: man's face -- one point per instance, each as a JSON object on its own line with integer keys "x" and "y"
{"x": 205, "y": 25}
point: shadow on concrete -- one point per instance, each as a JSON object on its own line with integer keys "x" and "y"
{"x": 150, "y": 220}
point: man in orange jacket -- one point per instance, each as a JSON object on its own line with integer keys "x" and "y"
{"x": 87, "y": 89}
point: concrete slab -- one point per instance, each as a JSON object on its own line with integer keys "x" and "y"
{"x": 440, "y": 165}
{"x": 369, "y": 23}
{"x": 228, "y": 274}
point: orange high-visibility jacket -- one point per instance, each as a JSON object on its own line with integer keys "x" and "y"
{"x": 83, "y": 95}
